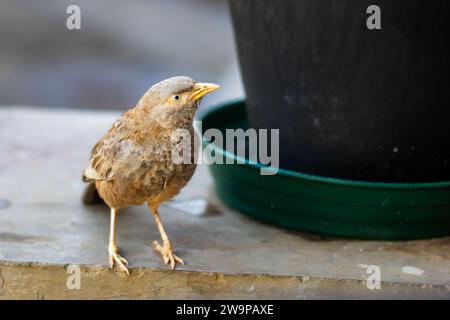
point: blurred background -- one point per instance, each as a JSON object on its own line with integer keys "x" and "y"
{"x": 123, "y": 48}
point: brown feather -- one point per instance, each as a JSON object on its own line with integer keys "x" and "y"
{"x": 131, "y": 164}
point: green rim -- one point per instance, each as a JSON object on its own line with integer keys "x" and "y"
{"x": 203, "y": 116}
{"x": 329, "y": 206}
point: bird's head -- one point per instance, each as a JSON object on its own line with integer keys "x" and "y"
{"x": 175, "y": 99}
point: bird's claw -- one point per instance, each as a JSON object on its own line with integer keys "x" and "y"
{"x": 116, "y": 258}
{"x": 167, "y": 254}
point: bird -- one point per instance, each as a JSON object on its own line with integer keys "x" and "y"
{"x": 132, "y": 164}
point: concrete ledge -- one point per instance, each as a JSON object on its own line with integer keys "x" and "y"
{"x": 37, "y": 281}
{"x": 44, "y": 228}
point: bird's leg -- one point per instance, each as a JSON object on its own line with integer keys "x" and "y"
{"x": 113, "y": 251}
{"x": 166, "y": 249}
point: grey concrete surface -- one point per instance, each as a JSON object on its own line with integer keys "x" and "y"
{"x": 44, "y": 227}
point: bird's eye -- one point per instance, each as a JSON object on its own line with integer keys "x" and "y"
{"x": 176, "y": 97}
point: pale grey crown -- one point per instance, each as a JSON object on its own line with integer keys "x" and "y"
{"x": 162, "y": 90}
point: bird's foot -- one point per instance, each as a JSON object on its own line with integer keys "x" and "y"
{"x": 167, "y": 254}
{"x": 115, "y": 258}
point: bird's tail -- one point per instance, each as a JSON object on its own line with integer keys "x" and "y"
{"x": 90, "y": 195}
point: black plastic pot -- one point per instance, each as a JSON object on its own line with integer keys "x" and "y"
{"x": 350, "y": 102}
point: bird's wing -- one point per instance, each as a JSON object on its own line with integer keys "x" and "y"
{"x": 107, "y": 153}
{"x": 100, "y": 165}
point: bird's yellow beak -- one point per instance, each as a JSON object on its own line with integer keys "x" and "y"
{"x": 201, "y": 89}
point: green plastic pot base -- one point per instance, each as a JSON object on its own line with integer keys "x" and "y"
{"x": 327, "y": 206}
